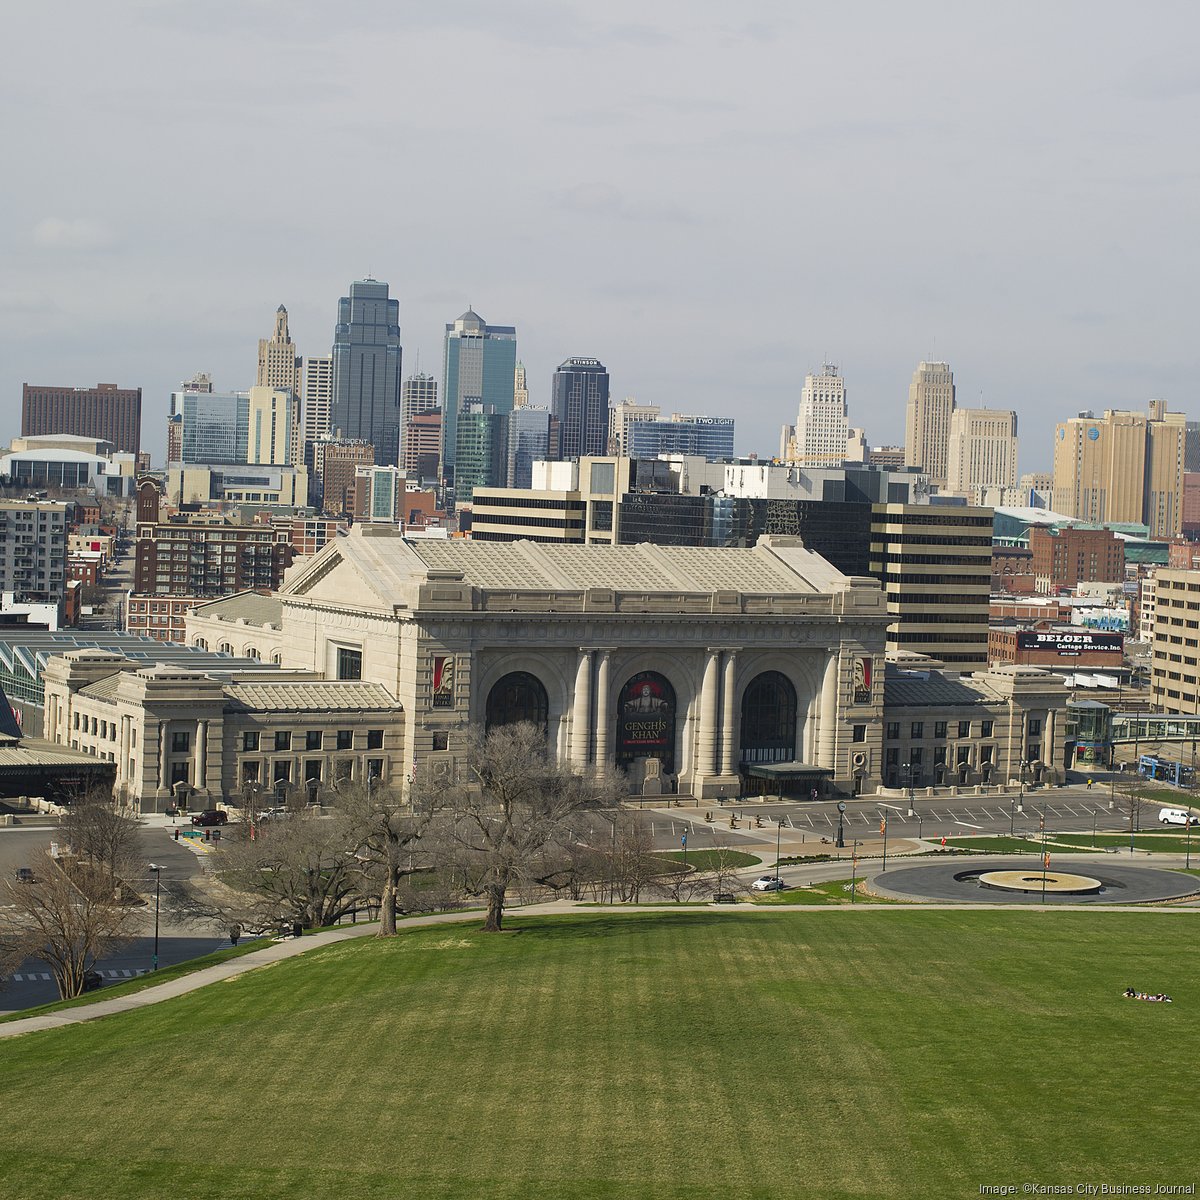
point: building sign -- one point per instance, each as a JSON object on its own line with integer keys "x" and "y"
{"x": 443, "y": 682}
{"x": 646, "y": 721}
{"x": 1071, "y": 644}
{"x": 863, "y": 676}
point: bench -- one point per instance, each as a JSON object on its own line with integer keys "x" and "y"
{"x": 724, "y": 898}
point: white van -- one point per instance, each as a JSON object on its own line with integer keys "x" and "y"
{"x": 1177, "y": 816}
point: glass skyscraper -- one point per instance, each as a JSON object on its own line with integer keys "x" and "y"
{"x": 710, "y": 436}
{"x": 366, "y": 369}
{"x": 479, "y": 367}
{"x": 580, "y": 404}
{"x": 215, "y": 426}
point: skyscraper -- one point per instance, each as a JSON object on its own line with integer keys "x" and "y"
{"x": 318, "y": 396}
{"x": 528, "y": 439}
{"x": 480, "y": 458}
{"x": 478, "y": 367}
{"x": 271, "y": 423}
{"x": 982, "y": 452}
{"x": 1123, "y": 467}
{"x": 621, "y": 416}
{"x": 520, "y": 387}
{"x": 711, "y": 437}
{"x": 927, "y": 420}
{"x": 580, "y": 402}
{"x": 366, "y": 369}
{"x": 418, "y": 394}
{"x": 279, "y": 366}
{"x": 822, "y": 426}
{"x": 104, "y": 411}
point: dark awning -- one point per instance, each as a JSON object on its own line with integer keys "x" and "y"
{"x": 787, "y": 770}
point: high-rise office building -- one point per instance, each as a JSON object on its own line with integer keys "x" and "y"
{"x": 418, "y": 394}
{"x": 580, "y": 402}
{"x": 214, "y": 427}
{"x": 527, "y": 439}
{"x": 335, "y": 461}
{"x": 520, "y": 387}
{"x": 423, "y": 446}
{"x": 710, "y": 437}
{"x": 366, "y": 369}
{"x": 982, "y": 452}
{"x": 480, "y": 459}
{"x": 280, "y": 366}
{"x": 479, "y": 366}
{"x": 927, "y": 420}
{"x": 822, "y": 426}
{"x": 272, "y": 416}
{"x": 105, "y": 411}
{"x": 621, "y": 416}
{"x": 318, "y": 396}
{"x": 1122, "y": 467}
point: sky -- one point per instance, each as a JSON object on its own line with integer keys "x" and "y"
{"x": 712, "y": 199}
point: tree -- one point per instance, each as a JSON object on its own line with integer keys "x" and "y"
{"x": 99, "y": 833}
{"x": 68, "y": 916}
{"x": 510, "y": 809}
{"x": 387, "y": 832}
{"x": 301, "y": 869}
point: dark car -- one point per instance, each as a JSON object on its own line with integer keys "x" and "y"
{"x": 92, "y": 980}
{"x": 211, "y": 816}
{"x": 25, "y": 875}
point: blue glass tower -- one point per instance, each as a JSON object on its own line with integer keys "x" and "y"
{"x": 479, "y": 367}
{"x": 580, "y": 404}
{"x": 366, "y": 369}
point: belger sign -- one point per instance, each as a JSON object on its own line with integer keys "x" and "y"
{"x": 1072, "y": 644}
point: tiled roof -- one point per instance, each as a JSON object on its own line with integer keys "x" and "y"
{"x": 913, "y": 690}
{"x": 312, "y": 696}
{"x": 252, "y": 607}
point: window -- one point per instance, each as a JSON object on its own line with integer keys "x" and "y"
{"x": 312, "y": 769}
{"x": 939, "y": 729}
{"x": 374, "y": 739}
{"x": 892, "y": 756}
{"x": 179, "y": 772}
{"x": 939, "y": 756}
{"x": 916, "y": 757}
{"x": 441, "y": 741}
{"x": 1035, "y": 751}
{"x": 964, "y": 755}
{"x": 312, "y": 740}
{"x": 985, "y": 753}
{"x": 283, "y": 740}
{"x": 374, "y": 768}
{"x": 1035, "y": 726}
{"x": 985, "y": 730}
{"x": 250, "y": 771}
{"x": 250, "y": 739}
{"x": 181, "y": 743}
{"x": 964, "y": 730}
{"x": 859, "y": 733}
{"x": 893, "y": 731}
{"x": 343, "y": 769}
{"x": 349, "y": 663}
{"x": 345, "y": 739}
{"x": 282, "y": 771}
{"x": 918, "y": 730}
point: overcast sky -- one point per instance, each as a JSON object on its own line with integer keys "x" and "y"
{"x": 711, "y": 198}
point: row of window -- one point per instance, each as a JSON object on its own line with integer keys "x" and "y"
{"x": 916, "y": 757}
{"x": 314, "y": 739}
{"x": 917, "y": 729}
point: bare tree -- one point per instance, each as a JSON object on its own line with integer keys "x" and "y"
{"x": 512, "y": 806}
{"x": 67, "y": 916}
{"x": 99, "y": 833}
{"x": 302, "y": 868}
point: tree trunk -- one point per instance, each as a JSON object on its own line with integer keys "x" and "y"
{"x": 387, "y": 905}
{"x": 495, "y": 908}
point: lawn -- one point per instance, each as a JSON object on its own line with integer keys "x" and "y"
{"x": 1008, "y": 845}
{"x": 1163, "y": 843}
{"x": 709, "y": 860}
{"x": 877, "y": 1052}
{"x": 834, "y": 891}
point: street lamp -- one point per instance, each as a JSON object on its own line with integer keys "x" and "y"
{"x": 912, "y": 812}
{"x": 841, "y": 834}
{"x": 1021, "y": 800}
{"x": 778, "y": 835}
{"x": 157, "y": 881}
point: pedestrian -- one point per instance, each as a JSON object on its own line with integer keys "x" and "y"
{"x": 235, "y": 933}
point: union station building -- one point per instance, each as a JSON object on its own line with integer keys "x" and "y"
{"x": 709, "y": 672}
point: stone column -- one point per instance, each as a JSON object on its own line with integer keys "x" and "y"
{"x": 164, "y": 782}
{"x": 1023, "y": 756}
{"x": 200, "y": 769}
{"x": 728, "y": 715}
{"x": 812, "y": 722}
{"x": 827, "y": 748}
{"x": 123, "y": 743}
{"x": 581, "y": 710}
{"x": 602, "y": 707}
{"x": 1049, "y": 754}
{"x": 707, "y": 746}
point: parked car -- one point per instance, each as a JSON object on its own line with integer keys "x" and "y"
{"x": 25, "y": 875}
{"x": 211, "y": 816}
{"x": 92, "y": 980}
{"x": 1178, "y": 816}
{"x": 768, "y": 883}
{"x": 274, "y": 814}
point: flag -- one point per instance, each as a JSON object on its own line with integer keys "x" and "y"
{"x": 943, "y": 841}
{"x": 883, "y": 826}
{"x": 1046, "y": 859}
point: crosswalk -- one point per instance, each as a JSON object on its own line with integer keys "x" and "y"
{"x": 45, "y": 976}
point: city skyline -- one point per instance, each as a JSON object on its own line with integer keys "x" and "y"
{"x": 1049, "y": 250}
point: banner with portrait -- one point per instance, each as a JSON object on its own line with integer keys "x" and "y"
{"x": 863, "y": 680}
{"x": 646, "y": 720}
{"x": 443, "y": 681}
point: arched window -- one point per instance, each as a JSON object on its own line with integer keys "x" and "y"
{"x": 646, "y": 721}
{"x": 769, "y": 719}
{"x": 225, "y": 648}
{"x": 252, "y": 652}
{"x": 277, "y": 657}
{"x": 201, "y": 644}
{"x": 519, "y": 696}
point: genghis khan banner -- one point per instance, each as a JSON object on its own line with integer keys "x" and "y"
{"x": 646, "y": 721}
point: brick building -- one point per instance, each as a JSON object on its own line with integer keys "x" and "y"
{"x": 1062, "y": 647}
{"x": 1066, "y": 556}
{"x": 104, "y": 411}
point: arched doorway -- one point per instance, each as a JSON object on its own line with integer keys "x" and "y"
{"x": 768, "y": 732}
{"x": 646, "y": 721}
{"x": 518, "y": 696}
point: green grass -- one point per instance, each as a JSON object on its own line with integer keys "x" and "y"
{"x": 835, "y": 891}
{"x": 138, "y": 983}
{"x": 1163, "y": 843}
{"x": 875, "y": 1052}
{"x": 707, "y": 860}
{"x": 1008, "y": 845}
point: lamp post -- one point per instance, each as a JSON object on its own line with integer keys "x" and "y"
{"x": 853, "y": 870}
{"x": 1021, "y": 800}
{"x": 157, "y": 881}
{"x": 778, "y": 836}
{"x": 841, "y": 833}
{"x": 1045, "y": 863}
{"x": 912, "y": 812}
